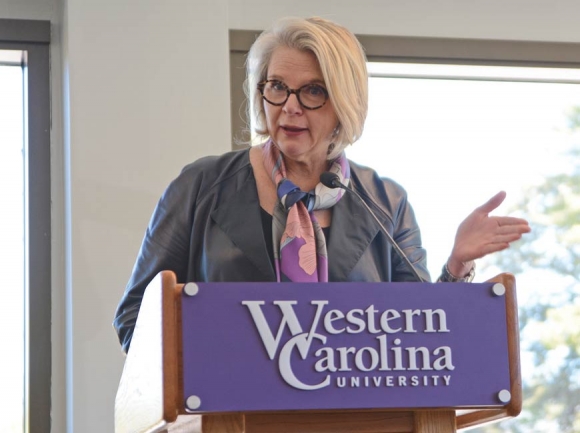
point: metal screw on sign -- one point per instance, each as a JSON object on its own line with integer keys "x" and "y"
{"x": 498, "y": 289}
{"x": 504, "y": 396}
{"x": 191, "y": 289}
{"x": 193, "y": 402}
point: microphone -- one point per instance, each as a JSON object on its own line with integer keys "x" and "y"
{"x": 332, "y": 181}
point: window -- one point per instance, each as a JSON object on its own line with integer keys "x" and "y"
{"x": 465, "y": 133}
{"x": 24, "y": 56}
{"x": 12, "y": 235}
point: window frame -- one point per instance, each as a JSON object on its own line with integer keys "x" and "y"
{"x": 404, "y": 49}
{"x": 33, "y": 38}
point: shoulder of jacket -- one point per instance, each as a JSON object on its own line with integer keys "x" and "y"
{"x": 219, "y": 164}
{"x": 380, "y": 188}
{"x": 214, "y": 169}
{"x": 201, "y": 176}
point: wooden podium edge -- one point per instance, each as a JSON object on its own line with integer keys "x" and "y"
{"x": 148, "y": 397}
{"x": 172, "y": 353}
{"x": 514, "y": 407}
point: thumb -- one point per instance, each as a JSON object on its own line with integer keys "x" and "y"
{"x": 493, "y": 203}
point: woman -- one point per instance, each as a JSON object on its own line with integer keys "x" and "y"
{"x": 261, "y": 214}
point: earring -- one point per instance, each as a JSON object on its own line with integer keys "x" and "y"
{"x": 331, "y": 147}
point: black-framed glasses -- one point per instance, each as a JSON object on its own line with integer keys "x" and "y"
{"x": 310, "y": 96}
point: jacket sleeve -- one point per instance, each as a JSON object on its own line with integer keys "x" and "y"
{"x": 165, "y": 246}
{"x": 408, "y": 236}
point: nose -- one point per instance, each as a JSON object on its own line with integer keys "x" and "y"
{"x": 292, "y": 105}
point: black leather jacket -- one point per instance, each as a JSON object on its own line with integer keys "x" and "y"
{"x": 207, "y": 228}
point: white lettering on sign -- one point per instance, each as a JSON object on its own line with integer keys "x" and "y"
{"x": 383, "y": 355}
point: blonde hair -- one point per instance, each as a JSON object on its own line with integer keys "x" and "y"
{"x": 342, "y": 62}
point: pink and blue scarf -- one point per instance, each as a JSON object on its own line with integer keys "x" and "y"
{"x": 300, "y": 253}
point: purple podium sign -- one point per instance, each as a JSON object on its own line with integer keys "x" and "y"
{"x": 268, "y": 346}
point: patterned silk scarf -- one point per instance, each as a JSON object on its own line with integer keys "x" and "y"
{"x": 299, "y": 244}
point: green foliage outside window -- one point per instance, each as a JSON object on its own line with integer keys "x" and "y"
{"x": 550, "y": 322}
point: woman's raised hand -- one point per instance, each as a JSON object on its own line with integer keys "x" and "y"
{"x": 480, "y": 234}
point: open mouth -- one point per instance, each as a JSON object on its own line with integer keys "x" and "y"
{"x": 293, "y": 129}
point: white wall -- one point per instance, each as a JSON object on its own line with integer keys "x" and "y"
{"x": 140, "y": 88}
{"x": 148, "y": 85}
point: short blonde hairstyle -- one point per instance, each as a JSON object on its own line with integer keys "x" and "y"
{"x": 342, "y": 62}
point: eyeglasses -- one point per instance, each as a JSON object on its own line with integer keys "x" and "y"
{"x": 310, "y": 96}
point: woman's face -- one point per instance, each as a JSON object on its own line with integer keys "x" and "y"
{"x": 302, "y": 135}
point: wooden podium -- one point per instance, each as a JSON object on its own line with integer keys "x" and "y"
{"x": 150, "y": 396}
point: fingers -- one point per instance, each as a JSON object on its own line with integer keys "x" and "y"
{"x": 493, "y": 248}
{"x": 506, "y": 230}
{"x": 493, "y": 203}
{"x": 497, "y": 243}
{"x": 507, "y": 238}
{"x": 510, "y": 221}
{"x": 511, "y": 228}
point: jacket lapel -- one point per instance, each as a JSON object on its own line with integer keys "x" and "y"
{"x": 351, "y": 232}
{"x": 239, "y": 217}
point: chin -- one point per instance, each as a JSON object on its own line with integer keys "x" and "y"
{"x": 293, "y": 149}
